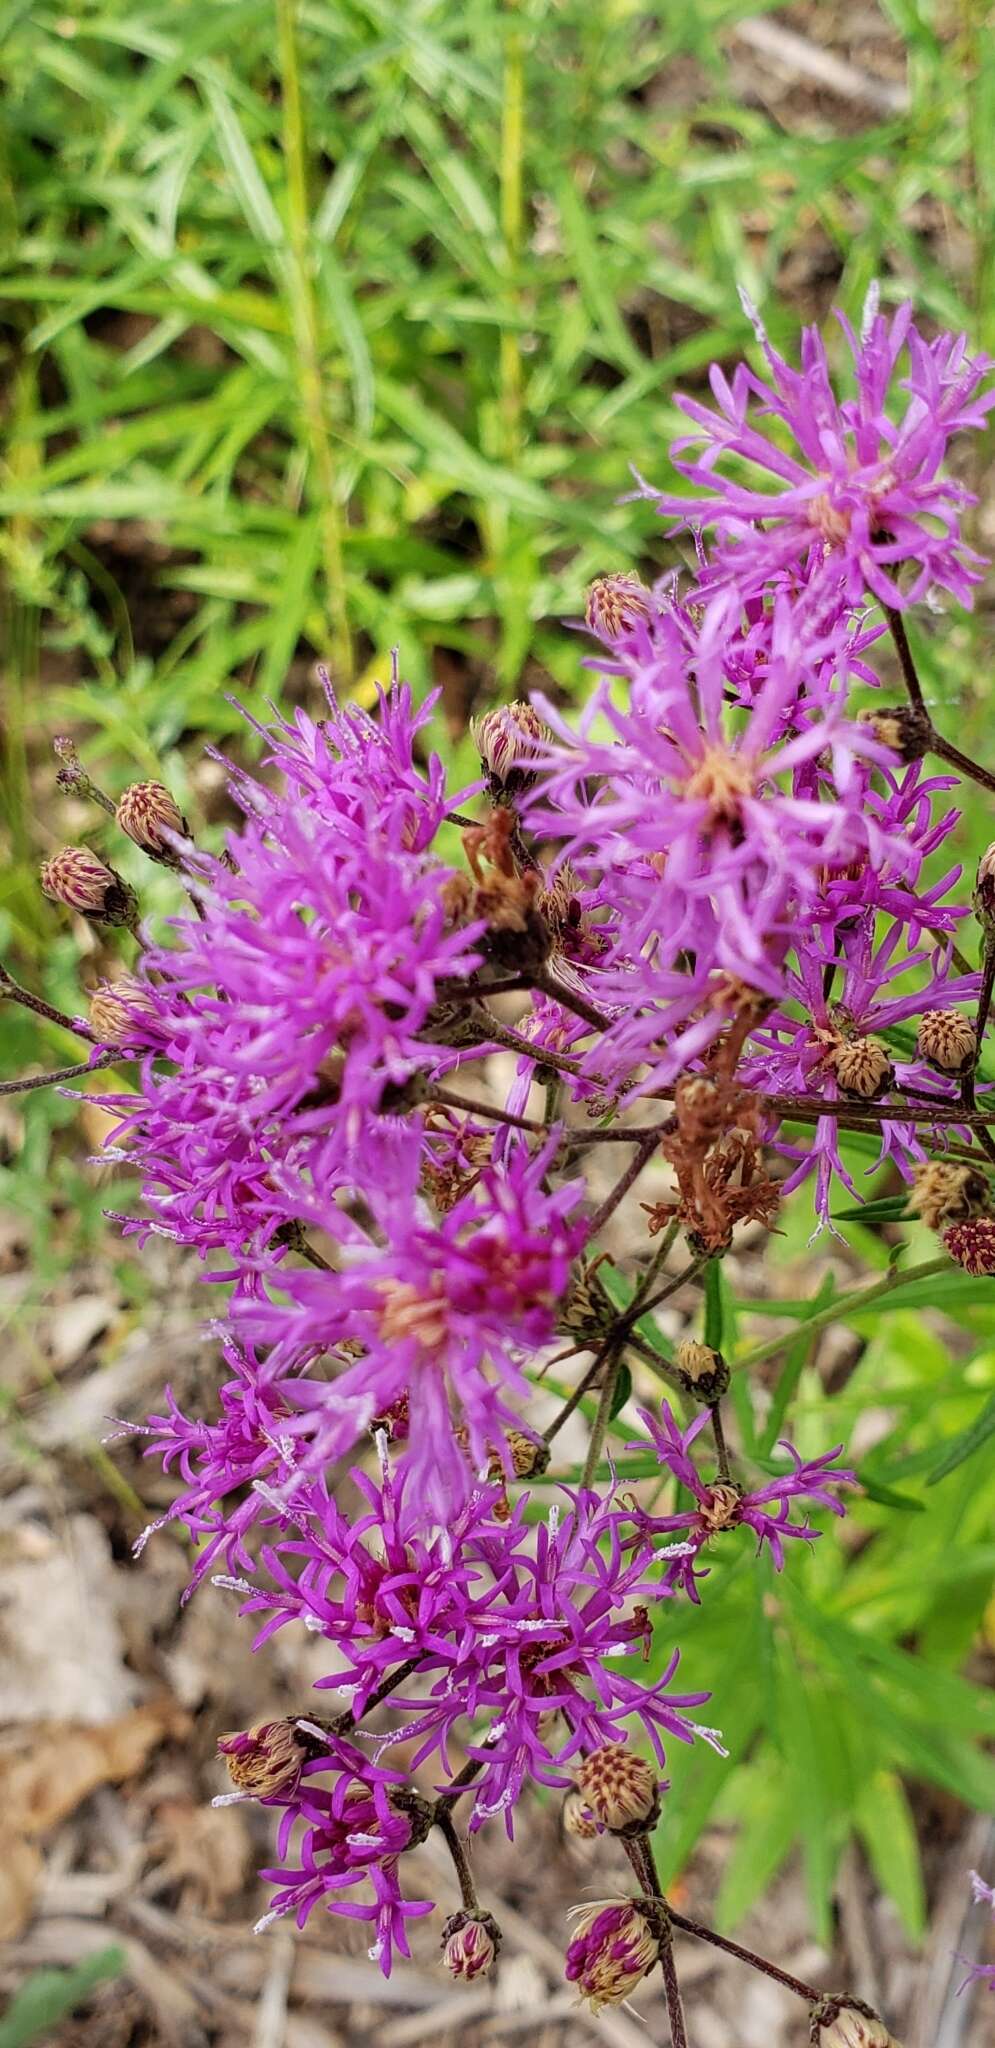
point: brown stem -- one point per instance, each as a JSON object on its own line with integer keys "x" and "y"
{"x": 24, "y": 1086}
{"x": 640, "y": 1854}
{"x": 12, "y": 992}
{"x": 583, "y": 1386}
{"x": 688, "y": 1272}
{"x": 447, "y": 1827}
{"x": 344, "y": 1722}
{"x": 602, "y": 1418}
{"x": 486, "y": 1110}
{"x": 971, "y": 770}
{"x": 808, "y": 1992}
{"x": 645, "y": 1148}
{"x": 910, "y": 674}
{"x": 721, "y": 1447}
{"x": 546, "y": 985}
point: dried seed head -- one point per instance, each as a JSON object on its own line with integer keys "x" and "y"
{"x": 145, "y": 812}
{"x": 972, "y": 1244}
{"x": 118, "y": 1008}
{"x": 863, "y": 1067}
{"x": 847, "y": 2023}
{"x": 76, "y": 878}
{"x": 612, "y": 1949}
{"x": 703, "y": 1371}
{"x": 527, "y": 1456}
{"x": 621, "y": 1789}
{"x": 615, "y": 604}
{"x": 947, "y": 1041}
{"x": 509, "y": 741}
{"x": 470, "y": 1944}
{"x": 578, "y": 1820}
{"x": 984, "y": 891}
{"x": 265, "y": 1761}
{"x": 905, "y": 731}
{"x": 943, "y": 1193}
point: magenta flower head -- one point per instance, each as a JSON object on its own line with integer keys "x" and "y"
{"x": 351, "y": 1835}
{"x": 861, "y": 492}
{"x": 445, "y": 1308}
{"x": 721, "y": 1504}
{"x": 299, "y": 1003}
{"x": 612, "y": 1949}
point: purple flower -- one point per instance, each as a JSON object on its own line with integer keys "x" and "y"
{"x": 299, "y": 1002}
{"x": 444, "y": 1308}
{"x": 862, "y": 491}
{"x": 536, "y": 1662}
{"x": 352, "y": 1833}
{"x": 721, "y": 1504}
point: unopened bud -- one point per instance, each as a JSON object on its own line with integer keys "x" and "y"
{"x": 578, "y": 1820}
{"x": 984, "y": 891}
{"x": 76, "y": 878}
{"x": 972, "y": 1244}
{"x": 863, "y": 1067}
{"x": 703, "y": 1371}
{"x": 265, "y": 1761}
{"x": 621, "y": 1789}
{"x": 947, "y": 1041}
{"x": 613, "y": 1948}
{"x": 943, "y": 1193}
{"x": 470, "y": 1944}
{"x": 145, "y": 812}
{"x": 615, "y": 604}
{"x": 117, "y": 1010}
{"x": 900, "y": 728}
{"x": 847, "y": 2023}
{"x": 509, "y": 741}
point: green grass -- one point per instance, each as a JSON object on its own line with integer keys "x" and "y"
{"x": 333, "y": 328}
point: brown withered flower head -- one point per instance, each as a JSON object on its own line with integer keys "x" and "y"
{"x": 944, "y": 1192}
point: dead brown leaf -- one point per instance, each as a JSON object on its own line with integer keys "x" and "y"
{"x": 52, "y": 1766}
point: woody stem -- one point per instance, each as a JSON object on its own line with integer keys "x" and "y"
{"x": 447, "y": 1828}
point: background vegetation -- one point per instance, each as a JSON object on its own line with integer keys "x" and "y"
{"x": 330, "y": 328}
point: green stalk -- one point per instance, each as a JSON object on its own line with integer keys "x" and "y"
{"x": 304, "y": 310}
{"x": 512, "y": 145}
{"x": 844, "y": 1305}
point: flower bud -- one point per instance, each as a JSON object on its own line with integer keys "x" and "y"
{"x": 117, "y": 1008}
{"x": 863, "y": 1067}
{"x": 943, "y": 1193}
{"x": 972, "y": 1244}
{"x": 947, "y": 1041}
{"x": 144, "y": 812}
{"x": 265, "y": 1761}
{"x": 578, "y": 1820}
{"x": 615, "y": 604}
{"x": 76, "y": 878}
{"x": 508, "y": 739}
{"x": 984, "y": 891}
{"x": 470, "y": 1944}
{"x": 899, "y": 727}
{"x": 612, "y": 1950}
{"x": 703, "y": 1371}
{"x": 621, "y": 1789}
{"x": 847, "y": 2023}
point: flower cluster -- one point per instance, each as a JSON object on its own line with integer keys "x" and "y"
{"x": 718, "y": 899}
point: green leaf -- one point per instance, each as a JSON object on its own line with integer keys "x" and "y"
{"x": 623, "y": 1389}
{"x": 49, "y": 1996}
{"x": 966, "y": 1444}
{"x": 888, "y": 1832}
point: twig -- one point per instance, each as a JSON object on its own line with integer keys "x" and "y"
{"x": 29, "y": 1081}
